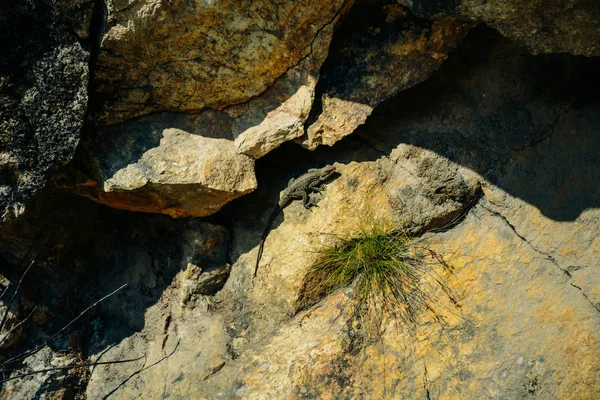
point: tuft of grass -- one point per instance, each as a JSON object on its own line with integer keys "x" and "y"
{"x": 391, "y": 274}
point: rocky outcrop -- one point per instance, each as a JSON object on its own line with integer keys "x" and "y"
{"x": 520, "y": 326}
{"x": 479, "y": 162}
{"x": 273, "y": 111}
{"x": 461, "y": 137}
{"x": 271, "y": 66}
{"x": 379, "y": 49}
{"x": 168, "y": 171}
{"x": 183, "y": 56}
{"x": 43, "y": 93}
{"x": 556, "y": 26}
{"x": 257, "y": 74}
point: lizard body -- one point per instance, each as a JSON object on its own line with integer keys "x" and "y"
{"x": 297, "y": 189}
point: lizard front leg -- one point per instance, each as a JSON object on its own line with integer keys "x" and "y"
{"x": 305, "y": 200}
{"x": 313, "y": 202}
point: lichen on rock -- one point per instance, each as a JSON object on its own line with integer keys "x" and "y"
{"x": 182, "y": 56}
{"x": 43, "y": 94}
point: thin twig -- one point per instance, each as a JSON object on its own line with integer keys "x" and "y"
{"x": 41, "y": 371}
{"x": 142, "y": 370}
{"x": 12, "y": 299}
{"x": 56, "y": 335}
{"x": 16, "y": 326}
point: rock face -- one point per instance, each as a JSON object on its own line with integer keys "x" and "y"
{"x": 483, "y": 145}
{"x": 273, "y": 111}
{"x": 518, "y": 329}
{"x": 43, "y": 93}
{"x": 271, "y": 65}
{"x": 461, "y": 137}
{"x": 543, "y": 26}
{"x": 91, "y": 252}
{"x": 255, "y": 73}
{"x": 182, "y": 56}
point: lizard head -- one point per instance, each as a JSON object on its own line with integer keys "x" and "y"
{"x": 328, "y": 170}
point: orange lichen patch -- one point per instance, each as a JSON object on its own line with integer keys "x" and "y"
{"x": 581, "y": 353}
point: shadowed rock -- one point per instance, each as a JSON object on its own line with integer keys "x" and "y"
{"x": 379, "y": 49}
{"x": 550, "y": 26}
{"x": 43, "y": 93}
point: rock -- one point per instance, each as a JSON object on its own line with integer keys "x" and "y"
{"x": 202, "y": 283}
{"x": 123, "y": 179}
{"x": 11, "y": 331}
{"x": 173, "y": 324}
{"x": 53, "y": 386}
{"x": 186, "y": 56}
{"x": 278, "y": 115}
{"x": 544, "y": 27}
{"x": 519, "y": 326}
{"x": 520, "y": 314}
{"x": 285, "y": 122}
{"x": 378, "y": 190}
{"x": 492, "y": 162}
{"x": 167, "y": 171}
{"x": 543, "y": 308}
{"x": 275, "y": 116}
{"x": 43, "y": 94}
{"x": 98, "y": 250}
{"x": 477, "y": 156}
{"x": 556, "y": 215}
{"x": 379, "y": 49}
{"x": 252, "y": 129}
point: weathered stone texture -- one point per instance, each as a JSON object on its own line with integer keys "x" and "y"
{"x": 43, "y": 93}
{"x": 490, "y": 156}
{"x": 185, "y": 56}
{"x": 553, "y": 26}
{"x": 379, "y": 49}
{"x": 487, "y": 139}
{"x": 521, "y": 330}
{"x": 253, "y": 129}
{"x": 168, "y": 171}
{"x": 92, "y": 251}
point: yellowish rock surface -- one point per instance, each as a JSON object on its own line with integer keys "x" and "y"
{"x": 182, "y": 56}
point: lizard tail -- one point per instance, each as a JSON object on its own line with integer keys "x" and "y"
{"x": 274, "y": 214}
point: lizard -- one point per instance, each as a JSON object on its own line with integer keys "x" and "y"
{"x": 297, "y": 189}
